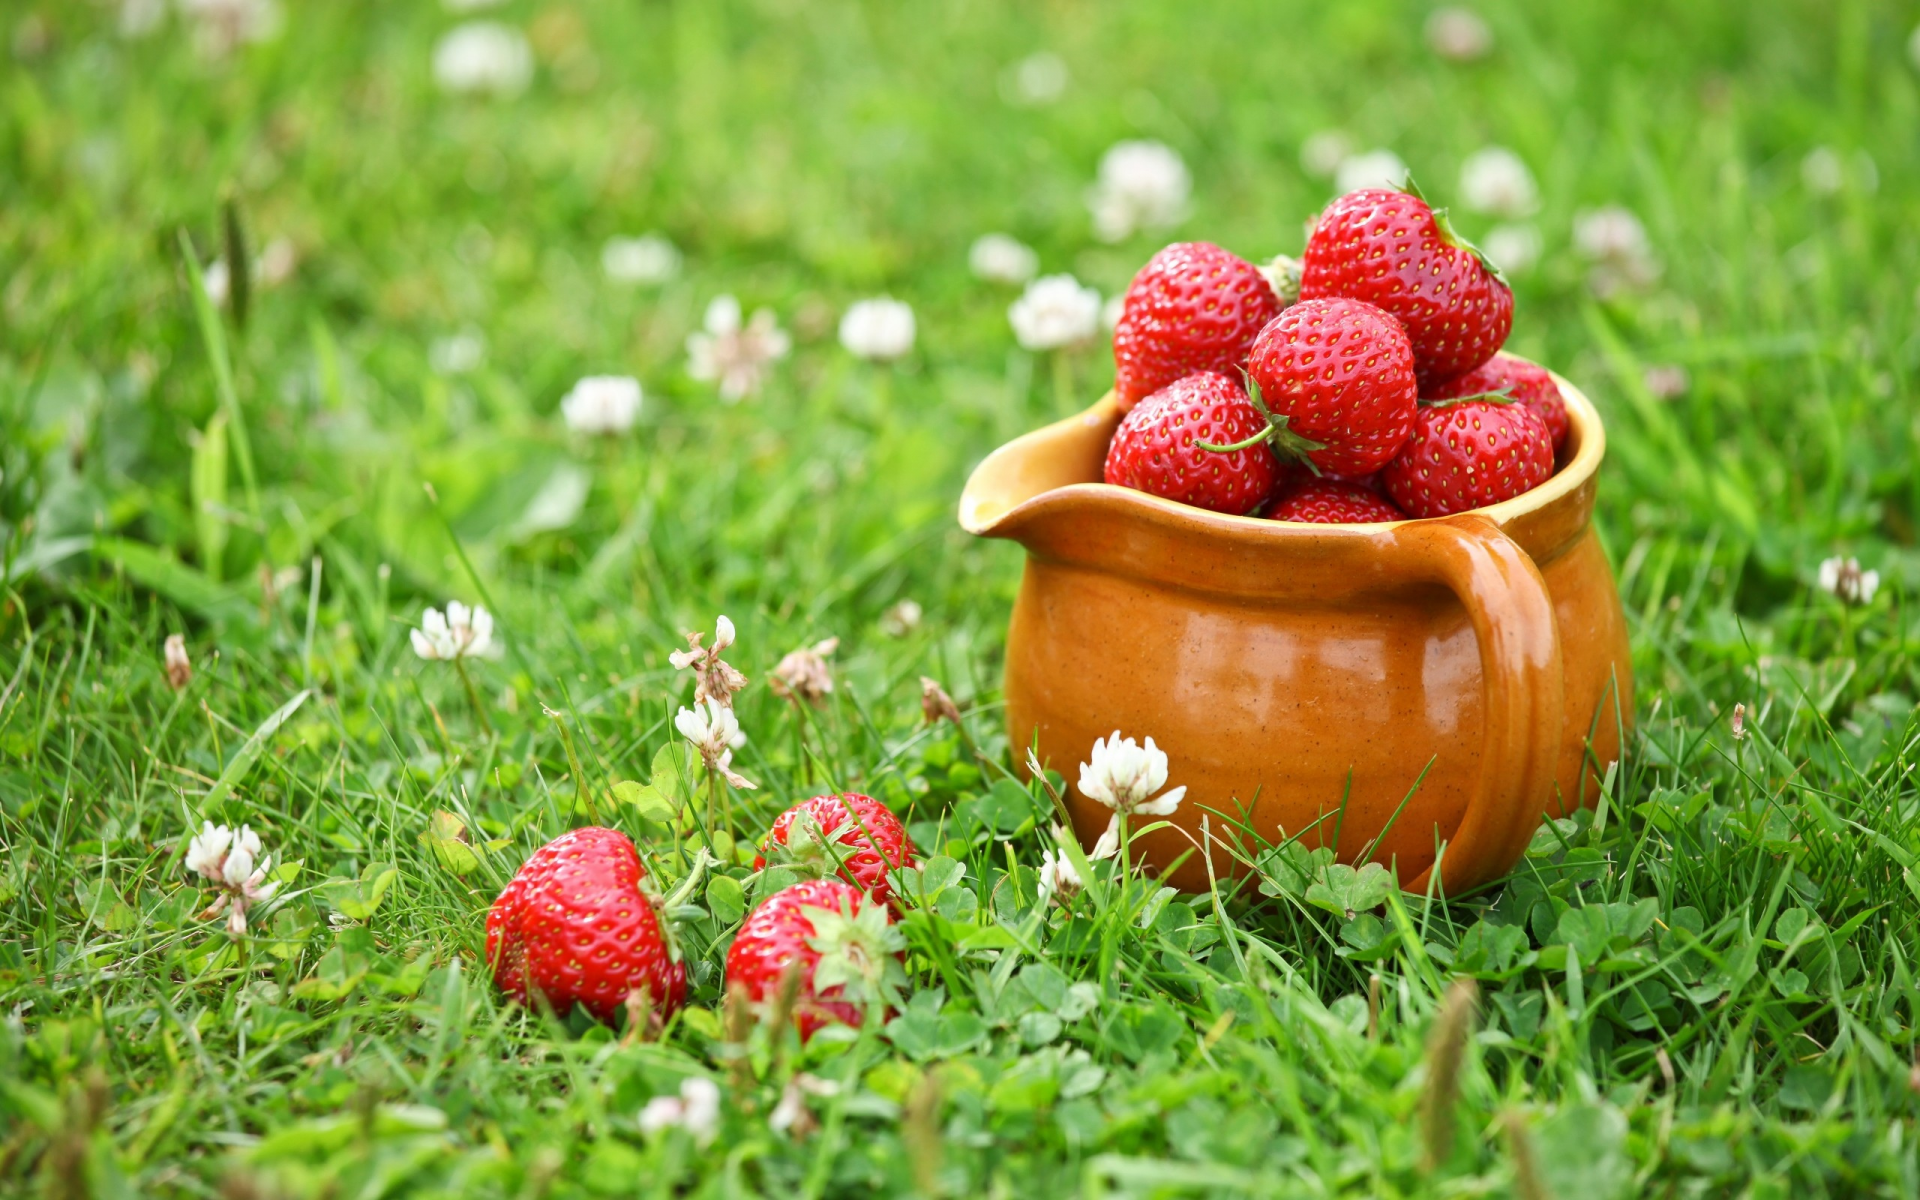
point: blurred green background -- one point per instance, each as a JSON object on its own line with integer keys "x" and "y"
{"x": 1719, "y": 249}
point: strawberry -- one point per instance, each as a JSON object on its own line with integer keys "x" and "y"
{"x": 846, "y": 946}
{"x": 1530, "y": 384}
{"x": 1390, "y": 248}
{"x": 853, "y": 836}
{"x": 1468, "y": 454}
{"x": 574, "y": 927}
{"x": 1160, "y": 446}
{"x": 1333, "y": 502}
{"x": 1337, "y": 378}
{"x": 1193, "y": 307}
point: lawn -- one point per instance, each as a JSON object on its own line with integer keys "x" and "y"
{"x": 1704, "y": 986}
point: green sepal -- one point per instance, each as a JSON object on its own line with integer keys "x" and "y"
{"x": 1285, "y": 444}
{"x": 1450, "y": 235}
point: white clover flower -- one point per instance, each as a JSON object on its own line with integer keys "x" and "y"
{"x": 1843, "y": 579}
{"x": 216, "y": 282}
{"x": 1322, "y": 153}
{"x": 458, "y": 353}
{"x": 1002, "y": 258}
{"x": 1458, "y": 34}
{"x": 647, "y": 260}
{"x": 462, "y": 633}
{"x": 1615, "y": 241}
{"x": 715, "y": 732}
{"x": 1823, "y": 171}
{"x": 902, "y": 619}
{"x": 1514, "y": 249}
{"x": 1111, "y": 310}
{"x": 737, "y": 357}
{"x": 223, "y": 26}
{"x": 278, "y": 260}
{"x": 1039, "y": 78}
{"x": 791, "y": 1114}
{"x": 1374, "y": 169}
{"x": 1609, "y": 232}
{"x": 879, "y": 329}
{"x": 483, "y": 56}
{"x": 602, "y": 405}
{"x": 1495, "y": 181}
{"x": 1059, "y": 880}
{"x": 1055, "y": 311}
{"x": 1124, "y": 775}
{"x": 1665, "y": 381}
{"x": 139, "y": 18}
{"x": 1141, "y": 186}
{"x": 696, "y": 1110}
{"x": 208, "y": 850}
{"x": 173, "y": 655}
{"x": 713, "y": 679}
{"x": 232, "y": 861}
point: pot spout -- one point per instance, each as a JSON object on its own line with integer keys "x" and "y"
{"x": 1066, "y": 452}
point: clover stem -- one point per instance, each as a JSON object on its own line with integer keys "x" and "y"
{"x": 473, "y": 696}
{"x": 713, "y": 808}
{"x": 1062, "y": 382}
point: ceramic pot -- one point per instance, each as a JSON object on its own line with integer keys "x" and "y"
{"x": 1416, "y": 693}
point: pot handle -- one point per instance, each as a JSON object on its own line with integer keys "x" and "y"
{"x": 1513, "y": 621}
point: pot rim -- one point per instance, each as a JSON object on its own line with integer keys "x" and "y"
{"x": 985, "y": 515}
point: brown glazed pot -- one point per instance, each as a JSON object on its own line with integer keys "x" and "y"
{"x": 1474, "y": 667}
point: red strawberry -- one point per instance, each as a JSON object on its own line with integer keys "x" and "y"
{"x": 1469, "y": 454}
{"x": 1158, "y": 446}
{"x": 1530, "y": 384}
{"x": 1333, "y": 502}
{"x": 1389, "y": 248}
{"x": 575, "y": 927}
{"x": 1337, "y": 377}
{"x": 1193, "y": 307}
{"x": 853, "y": 836}
{"x": 846, "y": 945}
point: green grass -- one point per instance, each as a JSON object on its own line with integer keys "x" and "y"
{"x": 1706, "y": 987}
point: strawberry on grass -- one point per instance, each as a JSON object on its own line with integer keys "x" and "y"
{"x": 575, "y": 927}
{"x": 850, "y": 835}
{"x": 1391, "y": 249}
{"x": 1168, "y": 445}
{"x": 845, "y": 943}
{"x": 1193, "y": 307}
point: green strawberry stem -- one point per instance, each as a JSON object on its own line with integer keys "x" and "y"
{"x": 1284, "y": 443}
{"x": 1500, "y": 395}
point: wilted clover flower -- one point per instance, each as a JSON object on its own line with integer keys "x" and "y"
{"x": 1843, "y": 579}
{"x": 736, "y": 356}
{"x": 803, "y": 675}
{"x": 713, "y": 679}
